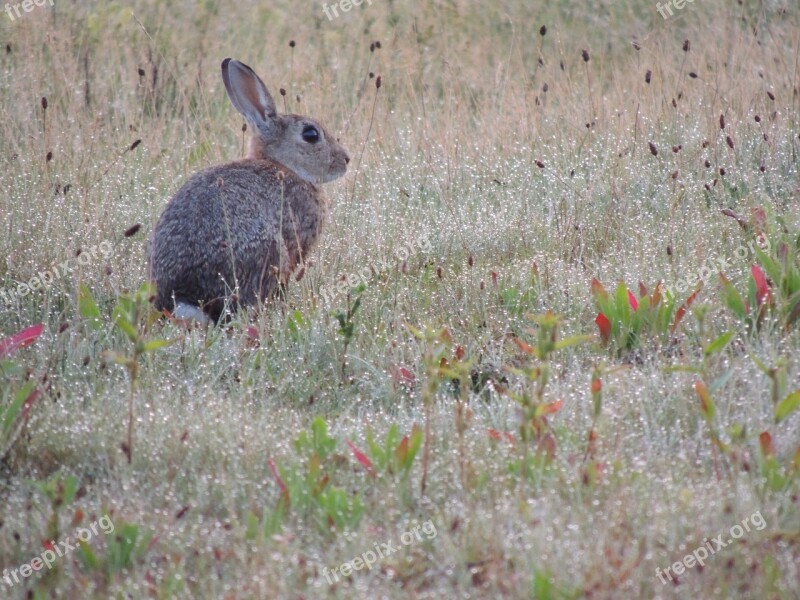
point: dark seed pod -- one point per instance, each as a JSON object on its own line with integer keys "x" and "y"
{"x": 585, "y": 55}
{"x": 543, "y": 30}
{"x": 132, "y": 230}
{"x": 653, "y": 149}
{"x": 648, "y": 76}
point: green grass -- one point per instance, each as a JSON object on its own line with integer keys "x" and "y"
{"x": 299, "y": 438}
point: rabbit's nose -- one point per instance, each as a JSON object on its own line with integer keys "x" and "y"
{"x": 347, "y": 160}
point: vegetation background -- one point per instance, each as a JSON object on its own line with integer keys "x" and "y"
{"x": 539, "y": 147}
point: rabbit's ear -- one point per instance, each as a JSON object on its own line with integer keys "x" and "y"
{"x": 247, "y": 92}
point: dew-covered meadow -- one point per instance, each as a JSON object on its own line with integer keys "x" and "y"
{"x": 547, "y": 346}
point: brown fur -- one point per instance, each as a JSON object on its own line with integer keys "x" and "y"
{"x": 237, "y": 231}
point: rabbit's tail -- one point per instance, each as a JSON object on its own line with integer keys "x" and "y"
{"x": 187, "y": 312}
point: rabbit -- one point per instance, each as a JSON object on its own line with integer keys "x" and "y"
{"x": 237, "y": 231}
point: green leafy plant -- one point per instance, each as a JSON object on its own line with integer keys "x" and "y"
{"x": 16, "y": 400}
{"x": 134, "y": 316}
{"x": 781, "y": 299}
{"x": 60, "y": 492}
{"x": 395, "y": 455}
{"x": 441, "y": 364}
{"x": 308, "y": 489}
{"x": 346, "y": 319}
{"x": 533, "y": 366}
{"x": 626, "y": 322}
{"x": 123, "y": 549}
{"x": 339, "y": 510}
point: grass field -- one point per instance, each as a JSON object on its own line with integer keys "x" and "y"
{"x": 467, "y": 393}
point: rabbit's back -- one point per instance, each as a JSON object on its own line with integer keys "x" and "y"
{"x": 245, "y": 224}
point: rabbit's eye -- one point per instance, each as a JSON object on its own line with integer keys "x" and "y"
{"x": 310, "y": 134}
